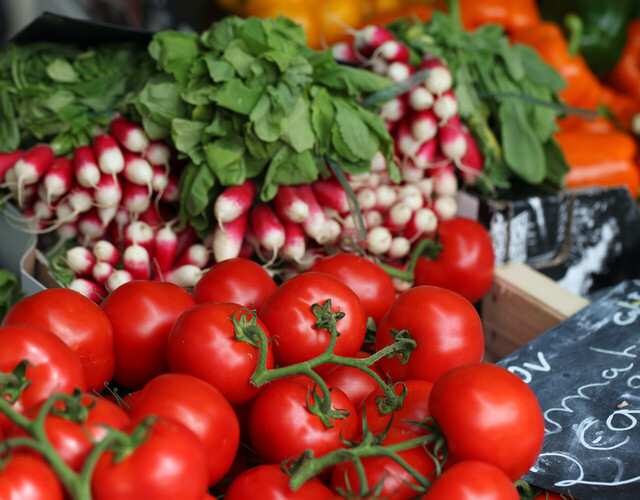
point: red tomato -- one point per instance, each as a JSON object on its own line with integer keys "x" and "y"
{"x": 487, "y": 413}
{"x": 393, "y": 479}
{"x": 268, "y": 482}
{"x": 289, "y": 317}
{"x": 202, "y": 343}
{"x": 198, "y": 406}
{"x": 354, "y": 382}
{"x": 550, "y": 495}
{"x": 415, "y": 407}
{"x": 465, "y": 263}
{"x": 26, "y": 477}
{"x": 142, "y": 314}
{"x": 79, "y": 322}
{"x": 372, "y": 284}
{"x": 74, "y": 440}
{"x": 446, "y": 327}
{"x": 54, "y": 367}
{"x": 240, "y": 281}
{"x": 471, "y": 480}
{"x": 170, "y": 463}
{"x": 281, "y": 425}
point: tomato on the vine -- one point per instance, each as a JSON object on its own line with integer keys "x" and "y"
{"x": 372, "y": 284}
{"x": 487, "y": 413}
{"x": 240, "y": 281}
{"x": 198, "y": 406}
{"x": 281, "y": 425}
{"x": 28, "y": 478}
{"x": 167, "y": 462}
{"x": 79, "y": 322}
{"x": 203, "y": 343}
{"x": 446, "y": 327}
{"x": 53, "y": 367}
{"x": 354, "y": 382}
{"x": 470, "y": 480}
{"x": 465, "y": 263}
{"x": 269, "y": 482}
{"x": 142, "y": 314}
{"x": 290, "y": 318}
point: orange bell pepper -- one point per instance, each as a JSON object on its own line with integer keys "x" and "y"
{"x": 626, "y": 74}
{"x": 583, "y": 87}
{"x": 624, "y": 108}
{"x": 513, "y": 15}
{"x": 600, "y": 159}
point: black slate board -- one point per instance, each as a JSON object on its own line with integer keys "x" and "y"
{"x": 585, "y": 373}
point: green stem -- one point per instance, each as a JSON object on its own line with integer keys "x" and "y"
{"x": 425, "y": 245}
{"x": 453, "y": 7}
{"x": 575, "y": 28}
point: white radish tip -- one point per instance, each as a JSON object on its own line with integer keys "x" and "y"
{"x": 111, "y": 161}
{"x": 379, "y": 240}
{"x": 445, "y": 207}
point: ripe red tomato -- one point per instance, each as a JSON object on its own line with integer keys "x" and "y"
{"x": 170, "y": 463}
{"x": 79, "y": 322}
{"x": 198, "y": 406}
{"x": 470, "y": 480}
{"x": 415, "y": 407}
{"x": 394, "y": 479}
{"x": 372, "y": 284}
{"x": 28, "y": 478}
{"x": 281, "y": 425}
{"x": 550, "y": 495}
{"x": 269, "y": 482}
{"x": 142, "y": 313}
{"x": 354, "y": 382}
{"x": 289, "y": 318}
{"x": 54, "y": 366}
{"x": 240, "y": 281}
{"x": 465, "y": 263}
{"x": 487, "y": 413}
{"x": 202, "y": 343}
{"x": 446, "y": 327}
{"x": 74, "y": 440}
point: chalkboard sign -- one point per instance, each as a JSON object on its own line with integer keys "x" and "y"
{"x": 585, "y": 372}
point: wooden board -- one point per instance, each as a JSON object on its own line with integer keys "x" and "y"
{"x": 522, "y": 304}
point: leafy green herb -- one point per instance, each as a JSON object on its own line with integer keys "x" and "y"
{"x": 10, "y": 291}
{"x": 506, "y": 94}
{"x": 248, "y": 99}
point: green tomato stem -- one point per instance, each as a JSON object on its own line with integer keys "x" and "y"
{"x": 424, "y": 247}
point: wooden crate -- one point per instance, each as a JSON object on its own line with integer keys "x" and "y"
{"x": 521, "y": 304}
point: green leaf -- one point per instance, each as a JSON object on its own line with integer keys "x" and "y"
{"x": 225, "y": 159}
{"x": 236, "y": 96}
{"x": 221, "y": 34}
{"x": 298, "y": 132}
{"x": 186, "y": 134}
{"x": 267, "y": 122}
{"x": 239, "y": 57}
{"x": 288, "y": 167}
{"x": 60, "y": 70}
{"x": 537, "y": 71}
{"x": 354, "y": 133}
{"x": 353, "y": 80}
{"x": 322, "y": 116}
{"x": 9, "y": 132}
{"x": 10, "y": 291}
{"x": 520, "y": 144}
{"x": 158, "y": 103}
{"x": 557, "y": 166}
{"x": 175, "y": 52}
{"x": 219, "y": 70}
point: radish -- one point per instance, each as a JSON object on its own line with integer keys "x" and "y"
{"x": 152, "y": 216}
{"x": 392, "y": 51}
{"x": 106, "y": 214}
{"x": 445, "y": 207}
{"x": 165, "y": 249}
{"x": 129, "y": 134}
{"x": 267, "y": 227}
{"x": 330, "y": 193}
{"x": 445, "y": 182}
{"x": 411, "y": 174}
{"x": 379, "y": 240}
{"x": 67, "y": 231}
{"x": 108, "y": 191}
{"x": 108, "y": 154}
{"x": 419, "y": 98}
{"x": 187, "y": 236}
{"x": 135, "y": 198}
{"x": 8, "y": 160}
{"x": 366, "y": 198}
{"x": 135, "y": 259}
{"x": 30, "y": 168}
{"x": 101, "y": 271}
{"x": 426, "y": 154}
{"x": 139, "y": 233}
{"x": 378, "y": 162}
{"x": 445, "y": 106}
{"x": 373, "y": 218}
{"x": 368, "y": 39}
{"x": 452, "y": 140}
{"x": 234, "y": 201}
{"x": 386, "y": 196}
{"x": 405, "y": 141}
{"x": 228, "y": 238}
{"x": 439, "y": 79}
{"x": 89, "y": 289}
{"x": 399, "y": 248}
{"x": 80, "y": 198}
{"x": 472, "y": 162}
{"x": 158, "y": 153}
{"x": 378, "y": 66}
{"x": 294, "y": 242}
{"x": 171, "y": 193}
{"x": 196, "y": 255}
{"x": 137, "y": 170}
{"x": 159, "y": 179}
{"x": 394, "y": 109}
{"x": 29, "y": 192}
{"x": 426, "y": 187}
{"x": 117, "y": 278}
{"x": 398, "y": 216}
{"x": 344, "y": 52}
{"x": 289, "y": 205}
{"x": 116, "y": 228}
{"x": 411, "y": 195}
{"x": 85, "y": 167}
{"x": 424, "y": 125}
{"x": 185, "y": 276}
{"x": 90, "y": 226}
{"x": 332, "y": 232}
{"x": 423, "y": 221}
{"x": 105, "y": 251}
{"x": 314, "y": 225}
{"x": 399, "y": 71}
{"x": 80, "y": 260}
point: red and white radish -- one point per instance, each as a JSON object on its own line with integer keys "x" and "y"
{"x": 196, "y": 255}
{"x": 234, "y": 201}
{"x": 137, "y": 170}
{"x": 117, "y": 278}
{"x": 129, "y": 134}
{"x": 108, "y": 191}
{"x": 165, "y": 249}
{"x": 88, "y": 288}
{"x": 105, "y": 251}
{"x": 394, "y": 109}
{"x": 289, "y": 205}
{"x": 158, "y": 153}
{"x": 445, "y": 106}
{"x": 135, "y": 198}
{"x": 267, "y": 227}
{"x": 295, "y": 244}
{"x": 30, "y": 168}
{"x": 101, "y": 271}
{"x": 80, "y": 260}
{"x": 185, "y": 276}
{"x": 85, "y": 167}
{"x": 379, "y": 240}
{"x": 439, "y": 79}
{"x": 140, "y": 233}
{"x": 330, "y": 193}
{"x": 419, "y": 98}
{"x": 7, "y": 161}
{"x": 135, "y": 259}
{"x": 108, "y": 154}
{"x": 424, "y": 125}
{"x": 228, "y": 238}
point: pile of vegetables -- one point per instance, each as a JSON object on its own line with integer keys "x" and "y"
{"x": 200, "y": 401}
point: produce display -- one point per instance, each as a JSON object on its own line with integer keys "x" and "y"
{"x": 266, "y": 289}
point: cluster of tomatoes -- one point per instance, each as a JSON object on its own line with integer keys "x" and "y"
{"x": 326, "y": 386}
